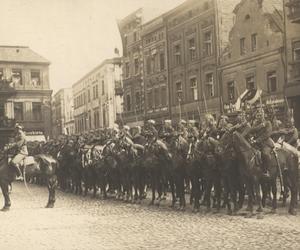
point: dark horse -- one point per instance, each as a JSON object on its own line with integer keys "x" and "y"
{"x": 40, "y": 166}
{"x": 252, "y": 173}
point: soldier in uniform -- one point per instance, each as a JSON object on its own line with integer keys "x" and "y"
{"x": 210, "y": 129}
{"x": 192, "y": 130}
{"x": 167, "y": 131}
{"x": 291, "y": 133}
{"x": 182, "y": 130}
{"x": 262, "y": 130}
{"x": 150, "y": 131}
{"x": 223, "y": 126}
{"x": 20, "y": 145}
{"x": 242, "y": 125}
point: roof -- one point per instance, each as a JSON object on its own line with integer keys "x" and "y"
{"x": 21, "y": 54}
{"x": 115, "y": 60}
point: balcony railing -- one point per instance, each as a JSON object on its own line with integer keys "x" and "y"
{"x": 294, "y": 10}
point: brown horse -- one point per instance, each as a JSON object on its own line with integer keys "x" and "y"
{"x": 252, "y": 173}
{"x": 38, "y": 166}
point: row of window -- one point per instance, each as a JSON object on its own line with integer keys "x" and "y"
{"x": 36, "y": 113}
{"x": 156, "y": 62}
{"x": 157, "y": 98}
{"x": 81, "y": 99}
{"x": 192, "y": 49}
{"x": 91, "y": 121}
{"x": 243, "y": 44}
{"x": 250, "y": 84}
{"x": 17, "y": 79}
{"x": 193, "y": 94}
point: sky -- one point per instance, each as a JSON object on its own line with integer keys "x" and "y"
{"x": 74, "y": 35}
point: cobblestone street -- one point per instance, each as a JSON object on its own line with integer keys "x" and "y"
{"x": 85, "y": 223}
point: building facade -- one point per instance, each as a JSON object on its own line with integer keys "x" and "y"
{"x": 97, "y": 99}
{"x": 195, "y": 32}
{"x": 63, "y": 113}
{"x": 254, "y": 58}
{"x": 292, "y": 88}
{"x": 132, "y": 67}
{"x": 30, "y": 101}
{"x": 155, "y": 70}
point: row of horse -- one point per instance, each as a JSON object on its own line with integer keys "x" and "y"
{"x": 228, "y": 168}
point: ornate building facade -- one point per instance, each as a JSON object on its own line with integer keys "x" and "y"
{"x": 28, "y": 100}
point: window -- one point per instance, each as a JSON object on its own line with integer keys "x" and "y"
{"x": 134, "y": 36}
{"x": 148, "y": 65}
{"x": 177, "y": 55}
{"x": 150, "y": 99}
{"x": 35, "y": 78}
{"x": 210, "y": 88}
{"x": 1, "y": 74}
{"x": 136, "y": 66}
{"x": 96, "y": 91}
{"x": 89, "y": 95}
{"x": 250, "y": 82}
{"x": 194, "y": 90}
{"x": 272, "y": 81}
{"x": 296, "y": 51}
{"x": 36, "y": 111}
{"x": 192, "y": 49}
{"x": 156, "y": 97}
{"x": 179, "y": 92}
{"x": 208, "y": 43}
{"x": 162, "y": 61}
{"x": 96, "y": 119}
{"x": 90, "y": 119}
{"x": 128, "y": 102}
{"x": 18, "y": 110}
{"x": 242, "y": 46}
{"x": 103, "y": 87}
{"x": 137, "y": 100}
{"x": 253, "y": 42}
{"x": 17, "y": 77}
{"x": 127, "y": 69}
{"x": 163, "y": 98}
{"x": 231, "y": 91}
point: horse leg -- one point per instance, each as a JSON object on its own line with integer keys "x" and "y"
{"x": 294, "y": 193}
{"x": 208, "y": 189}
{"x": 5, "y": 192}
{"x": 274, "y": 194}
{"x": 52, "y": 183}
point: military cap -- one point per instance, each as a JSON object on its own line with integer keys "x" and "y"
{"x": 151, "y": 121}
{"x": 168, "y": 121}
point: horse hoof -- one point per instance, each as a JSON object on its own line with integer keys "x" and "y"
{"x": 292, "y": 212}
{"x": 5, "y": 209}
{"x": 273, "y": 211}
{"x": 196, "y": 210}
{"x": 259, "y": 210}
{"x": 151, "y": 203}
{"x": 50, "y": 205}
{"x": 207, "y": 210}
{"x": 259, "y": 216}
{"x": 249, "y": 215}
{"x": 229, "y": 212}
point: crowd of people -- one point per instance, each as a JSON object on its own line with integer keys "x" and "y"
{"x": 124, "y": 160}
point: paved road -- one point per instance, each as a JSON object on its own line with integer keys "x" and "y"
{"x": 85, "y": 223}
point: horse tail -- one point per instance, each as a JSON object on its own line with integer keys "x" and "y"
{"x": 25, "y": 182}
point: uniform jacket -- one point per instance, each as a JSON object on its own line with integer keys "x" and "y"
{"x": 262, "y": 132}
{"x": 21, "y": 143}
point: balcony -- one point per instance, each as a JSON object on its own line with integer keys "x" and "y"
{"x": 294, "y": 10}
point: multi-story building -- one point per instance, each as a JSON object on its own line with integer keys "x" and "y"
{"x": 154, "y": 44}
{"x": 292, "y": 45}
{"x": 28, "y": 98}
{"x": 254, "y": 57}
{"x": 97, "y": 99}
{"x": 133, "y": 84}
{"x": 63, "y": 113}
{"x": 196, "y": 32}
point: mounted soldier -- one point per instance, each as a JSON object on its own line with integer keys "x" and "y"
{"x": 223, "y": 126}
{"x": 242, "y": 125}
{"x": 20, "y": 146}
{"x": 182, "y": 129}
{"x": 167, "y": 131}
{"x": 210, "y": 129}
{"x": 262, "y": 130}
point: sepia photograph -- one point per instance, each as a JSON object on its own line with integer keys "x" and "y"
{"x": 149, "y": 124}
